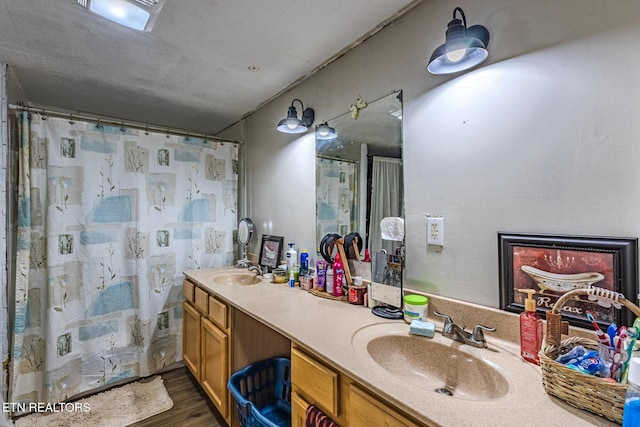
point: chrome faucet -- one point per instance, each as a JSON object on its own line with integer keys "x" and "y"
{"x": 457, "y": 333}
{"x": 257, "y": 268}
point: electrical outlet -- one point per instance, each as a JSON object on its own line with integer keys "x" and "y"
{"x": 435, "y": 229}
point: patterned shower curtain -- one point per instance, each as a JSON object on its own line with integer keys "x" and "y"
{"x": 336, "y": 197}
{"x": 108, "y": 219}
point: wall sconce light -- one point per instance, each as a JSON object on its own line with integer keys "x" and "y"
{"x": 294, "y": 125}
{"x": 463, "y": 48}
{"x": 325, "y": 132}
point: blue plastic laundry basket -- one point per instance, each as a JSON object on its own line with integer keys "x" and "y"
{"x": 262, "y": 392}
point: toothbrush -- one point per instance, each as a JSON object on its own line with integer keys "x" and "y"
{"x": 612, "y": 331}
{"x": 618, "y": 361}
{"x": 604, "y": 339}
{"x": 633, "y": 335}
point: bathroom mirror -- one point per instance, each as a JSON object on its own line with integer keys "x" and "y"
{"x": 346, "y": 198}
{"x": 359, "y": 174}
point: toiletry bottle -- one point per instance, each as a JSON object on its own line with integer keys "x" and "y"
{"x": 291, "y": 256}
{"x": 304, "y": 262}
{"x": 530, "y": 329}
{"x": 338, "y": 276}
{"x": 631, "y": 414}
{"x": 328, "y": 282}
{"x": 321, "y": 272}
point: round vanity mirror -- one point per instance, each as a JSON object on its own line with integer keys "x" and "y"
{"x": 245, "y": 233}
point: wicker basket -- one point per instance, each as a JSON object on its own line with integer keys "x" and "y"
{"x": 577, "y": 389}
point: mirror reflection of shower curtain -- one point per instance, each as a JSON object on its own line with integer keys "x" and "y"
{"x": 108, "y": 218}
{"x": 386, "y": 199}
{"x": 336, "y": 196}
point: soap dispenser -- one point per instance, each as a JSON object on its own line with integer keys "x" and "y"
{"x": 530, "y": 329}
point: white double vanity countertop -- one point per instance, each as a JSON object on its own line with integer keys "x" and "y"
{"x": 338, "y": 333}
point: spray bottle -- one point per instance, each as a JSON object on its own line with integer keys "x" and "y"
{"x": 338, "y": 276}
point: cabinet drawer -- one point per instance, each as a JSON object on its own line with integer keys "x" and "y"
{"x": 366, "y": 411}
{"x": 201, "y": 300}
{"x": 315, "y": 381}
{"x": 187, "y": 290}
{"x": 218, "y": 312}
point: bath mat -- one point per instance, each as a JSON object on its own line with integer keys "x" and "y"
{"x": 116, "y": 407}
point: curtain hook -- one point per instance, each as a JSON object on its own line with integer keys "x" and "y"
{"x": 71, "y": 119}
{"x": 42, "y": 115}
{"x": 168, "y": 136}
{"x": 122, "y": 129}
{"x": 146, "y": 130}
{"x": 99, "y": 124}
{"x": 187, "y": 138}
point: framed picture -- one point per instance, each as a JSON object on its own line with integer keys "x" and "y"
{"x": 555, "y": 265}
{"x": 271, "y": 251}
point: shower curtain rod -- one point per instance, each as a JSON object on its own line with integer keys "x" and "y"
{"x": 114, "y": 122}
{"x": 337, "y": 159}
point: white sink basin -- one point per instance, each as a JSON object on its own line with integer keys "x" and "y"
{"x": 239, "y": 278}
{"x": 436, "y": 364}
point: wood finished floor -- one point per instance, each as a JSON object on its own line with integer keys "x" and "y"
{"x": 191, "y": 406}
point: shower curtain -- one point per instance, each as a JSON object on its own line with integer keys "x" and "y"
{"x": 386, "y": 199}
{"x": 108, "y": 219}
{"x": 336, "y": 197}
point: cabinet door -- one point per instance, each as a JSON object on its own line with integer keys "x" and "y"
{"x": 315, "y": 381}
{"x": 298, "y": 410}
{"x": 214, "y": 372}
{"x": 366, "y": 411}
{"x": 191, "y": 339}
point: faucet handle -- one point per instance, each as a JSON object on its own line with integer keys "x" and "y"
{"x": 478, "y": 335}
{"x": 447, "y": 318}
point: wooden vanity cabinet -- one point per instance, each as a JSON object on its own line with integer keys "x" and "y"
{"x": 337, "y": 395}
{"x": 366, "y": 411}
{"x": 219, "y": 340}
{"x": 205, "y": 344}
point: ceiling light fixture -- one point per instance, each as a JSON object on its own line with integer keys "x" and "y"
{"x": 294, "y": 125}
{"x": 325, "y": 132}
{"x": 463, "y": 48}
{"x": 137, "y": 14}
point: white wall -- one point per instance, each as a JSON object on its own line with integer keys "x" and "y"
{"x": 543, "y": 137}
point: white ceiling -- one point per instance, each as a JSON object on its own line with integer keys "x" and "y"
{"x": 192, "y": 70}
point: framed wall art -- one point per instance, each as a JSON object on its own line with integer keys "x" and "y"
{"x": 555, "y": 265}
{"x": 271, "y": 251}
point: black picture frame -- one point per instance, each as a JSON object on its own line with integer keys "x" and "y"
{"x": 271, "y": 251}
{"x": 525, "y": 259}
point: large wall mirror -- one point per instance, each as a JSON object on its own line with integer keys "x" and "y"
{"x": 359, "y": 174}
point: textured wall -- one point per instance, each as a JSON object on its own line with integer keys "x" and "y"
{"x": 543, "y": 137}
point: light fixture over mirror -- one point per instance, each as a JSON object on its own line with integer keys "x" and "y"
{"x": 463, "y": 48}
{"x": 292, "y": 124}
{"x": 325, "y": 132}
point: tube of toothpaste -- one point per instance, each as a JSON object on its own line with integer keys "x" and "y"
{"x": 590, "y": 363}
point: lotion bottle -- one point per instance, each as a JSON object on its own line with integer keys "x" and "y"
{"x": 291, "y": 256}
{"x": 530, "y": 329}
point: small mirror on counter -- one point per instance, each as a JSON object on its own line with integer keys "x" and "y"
{"x": 386, "y": 270}
{"x": 245, "y": 233}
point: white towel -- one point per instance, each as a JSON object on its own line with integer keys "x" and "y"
{"x": 392, "y": 228}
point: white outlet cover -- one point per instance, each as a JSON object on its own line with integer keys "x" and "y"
{"x": 435, "y": 231}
